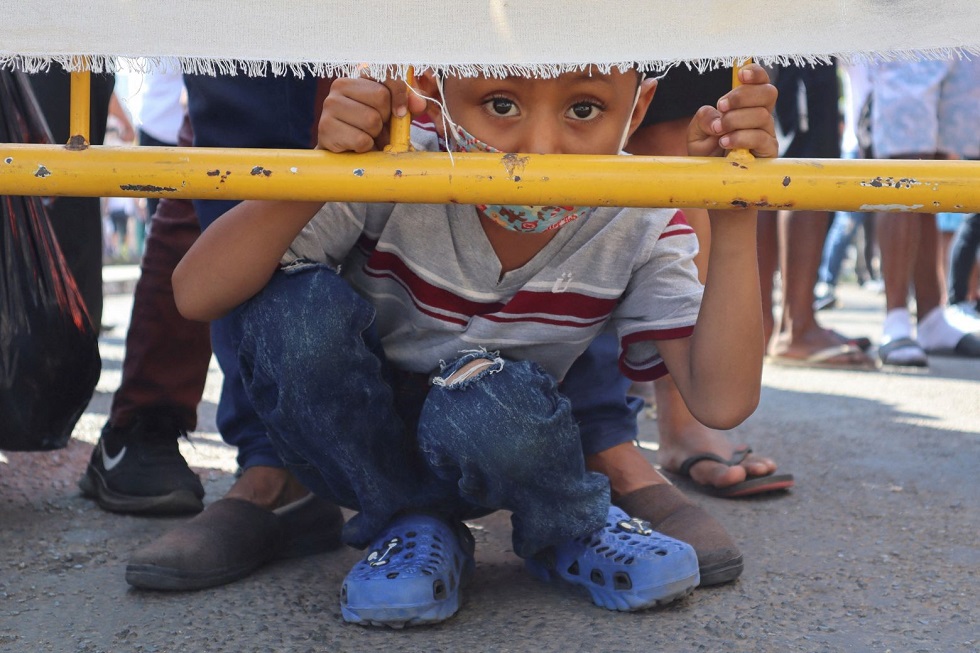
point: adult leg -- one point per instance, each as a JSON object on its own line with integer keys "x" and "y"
{"x": 841, "y": 234}
{"x": 768, "y": 253}
{"x": 136, "y": 466}
{"x": 267, "y": 513}
{"x": 814, "y": 128}
{"x": 800, "y": 338}
{"x": 963, "y": 259}
{"x": 681, "y": 435}
{"x": 244, "y": 111}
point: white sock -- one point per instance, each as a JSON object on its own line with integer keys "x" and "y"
{"x": 935, "y": 331}
{"x": 897, "y": 325}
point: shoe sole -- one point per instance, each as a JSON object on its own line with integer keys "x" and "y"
{"x": 401, "y": 616}
{"x": 154, "y": 577}
{"x": 179, "y": 502}
{"x": 636, "y": 600}
{"x": 721, "y": 572}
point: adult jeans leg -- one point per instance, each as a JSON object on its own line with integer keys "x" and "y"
{"x": 243, "y": 111}
{"x": 963, "y": 256}
{"x": 839, "y": 237}
{"x": 605, "y": 414}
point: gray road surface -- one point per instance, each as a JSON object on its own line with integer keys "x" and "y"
{"x": 874, "y": 550}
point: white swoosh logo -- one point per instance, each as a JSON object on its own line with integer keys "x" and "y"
{"x": 111, "y": 461}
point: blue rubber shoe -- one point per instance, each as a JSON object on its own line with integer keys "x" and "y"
{"x": 411, "y": 575}
{"x": 625, "y": 565}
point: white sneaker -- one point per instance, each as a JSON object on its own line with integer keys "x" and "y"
{"x": 964, "y": 317}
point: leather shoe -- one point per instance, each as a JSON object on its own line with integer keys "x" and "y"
{"x": 231, "y": 539}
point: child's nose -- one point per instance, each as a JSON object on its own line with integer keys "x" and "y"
{"x": 542, "y": 138}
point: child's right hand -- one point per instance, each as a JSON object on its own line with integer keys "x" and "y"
{"x": 357, "y": 111}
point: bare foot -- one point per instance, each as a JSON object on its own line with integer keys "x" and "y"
{"x": 698, "y": 439}
{"x": 815, "y": 340}
{"x": 682, "y": 436}
{"x": 267, "y": 487}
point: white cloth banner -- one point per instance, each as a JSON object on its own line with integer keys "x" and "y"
{"x": 328, "y": 37}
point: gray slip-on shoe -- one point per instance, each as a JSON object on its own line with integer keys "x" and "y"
{"x": 231, "y": 539}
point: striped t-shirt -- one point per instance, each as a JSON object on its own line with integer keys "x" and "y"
{"x": 436, "y": 283}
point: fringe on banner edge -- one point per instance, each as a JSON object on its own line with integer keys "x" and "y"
{"x": 36, "y": 63}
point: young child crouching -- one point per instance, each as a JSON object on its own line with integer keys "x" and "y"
{"x": 405, "y": 358}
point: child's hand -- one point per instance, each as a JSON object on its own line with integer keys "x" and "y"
{"x": 357, "y": 111}
{"x": 742, "y": 119}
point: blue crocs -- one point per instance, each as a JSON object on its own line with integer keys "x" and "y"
{"x": 625, "y": 565}
{"x": 411, "y": 575}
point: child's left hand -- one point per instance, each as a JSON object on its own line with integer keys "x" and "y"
{"x": 742, "y": 119}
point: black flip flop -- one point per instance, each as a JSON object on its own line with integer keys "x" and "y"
{"x": 748, "y": 487}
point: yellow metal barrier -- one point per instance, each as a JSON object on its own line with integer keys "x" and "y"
{"x": 427, "y": 177}
{"x": 403, "y": 176}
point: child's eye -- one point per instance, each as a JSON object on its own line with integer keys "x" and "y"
{"x": 584, "y": 111}
{"x": 501, "y": 106}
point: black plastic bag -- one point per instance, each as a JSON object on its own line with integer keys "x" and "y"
{"x": 49, "y": 351}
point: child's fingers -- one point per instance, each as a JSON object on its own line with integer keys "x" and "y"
{"x": 340, "y": 137}
{"x": 753, "y": 74}
{"x": 761, "y": 95}
{"x": 347, "y": 124}
{"x": 750, "y": 118}
{"x": 759, "y": 142}
{"x": 702, "y": 124}
{"x": 403, "y": 100}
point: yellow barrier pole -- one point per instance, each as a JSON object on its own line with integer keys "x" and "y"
{"x": 549, "y": 179}
{"x": 739, "y": 154}
{"x": 80, "y": 107}
{"x": 400, "y": 139}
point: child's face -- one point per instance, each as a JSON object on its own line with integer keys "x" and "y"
{"x": 575, "y": 113}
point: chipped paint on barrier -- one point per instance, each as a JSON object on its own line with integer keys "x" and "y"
{"x": 359, "y": 172}
{"x": 9, "y": 160}
{"x": 259, "y": 170}
{"x": 891, "y": 182}
{"x": 514, "y": 164}
{"x": 294, "y": 170}
{"x": 42, "y": 171}
{"x": 147, "y": 188}
{"x": 890, "y": 207}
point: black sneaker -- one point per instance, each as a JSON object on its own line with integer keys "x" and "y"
{"x": 147, "y": 474}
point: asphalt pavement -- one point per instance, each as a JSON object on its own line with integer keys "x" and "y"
{"x": 875, "y": 549}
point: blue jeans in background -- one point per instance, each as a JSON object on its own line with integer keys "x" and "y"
{"x": 243, "y": 111}
{"x": 839, "y": 237}
{"x": 383, "y": 442}
{"x": 963, "y": 256}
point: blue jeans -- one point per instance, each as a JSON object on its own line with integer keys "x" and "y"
{"x": 963, "y": 255}
{"x": 381, "y": 441}
{"x": 243, "y": 111}
{"x": 840, "y": 235}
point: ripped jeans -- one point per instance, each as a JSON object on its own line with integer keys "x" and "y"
{"x": 383, "y": 442}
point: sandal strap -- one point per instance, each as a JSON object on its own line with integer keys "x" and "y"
{"x": 737, "y": 457}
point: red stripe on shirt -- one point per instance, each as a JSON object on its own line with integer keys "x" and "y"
{"x": 389, "y": 265}
{"x": 567, "y": 304}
